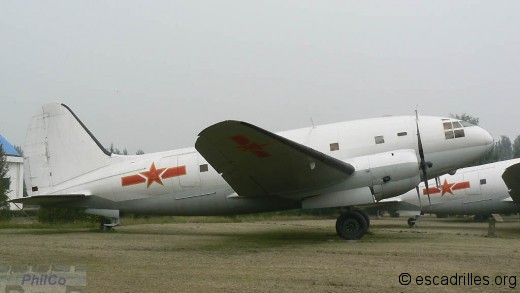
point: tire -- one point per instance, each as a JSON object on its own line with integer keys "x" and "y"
{"x": 351, "y": 225}
{"x": 364, "y": 216}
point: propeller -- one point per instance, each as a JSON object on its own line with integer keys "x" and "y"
{"x": 423, "y": 165}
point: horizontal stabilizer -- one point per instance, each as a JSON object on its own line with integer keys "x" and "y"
{"x": 256, "y": 162}
{"x": 49, "y": 199}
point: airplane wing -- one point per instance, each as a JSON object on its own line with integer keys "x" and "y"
{"x": 48, "y": 199}
{"x": 256, "y": 162}
{"x": 511, "y": 178}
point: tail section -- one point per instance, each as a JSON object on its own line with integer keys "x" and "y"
{"x": 58, "y": 148}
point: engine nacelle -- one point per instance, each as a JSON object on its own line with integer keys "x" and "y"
{"x": 376, "y": 177}
{"x": 391, "y": 173}
{"x": 395, "y": 188}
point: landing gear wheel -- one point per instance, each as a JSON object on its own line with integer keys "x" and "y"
{"x": 351, "y": 225}
{"x": 104, "y": 224}
{"x": 364, "y": 216}
{"x": 411, "y": 222}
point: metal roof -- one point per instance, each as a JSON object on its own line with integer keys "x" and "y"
{"x": 8, "y": 148}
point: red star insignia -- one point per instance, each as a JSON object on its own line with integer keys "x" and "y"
{"x": 253, "y": 146}
{"x": 446, "y": 187}
{"x": 153, "y": 175}
{"x": 246, "y": 145}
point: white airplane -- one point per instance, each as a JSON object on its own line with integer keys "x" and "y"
{"x": 241, "y": 168}
{"x": 481, "y": 190}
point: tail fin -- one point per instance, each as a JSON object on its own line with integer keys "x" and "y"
{"x": 58, "y": 148}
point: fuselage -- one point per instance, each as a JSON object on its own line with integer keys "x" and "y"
{"x": 474, "y": 190}
{"x": 181, "y": 182}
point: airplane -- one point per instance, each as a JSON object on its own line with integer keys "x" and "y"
{"x": 238, "y": 168}
{"x": 481, "y": 190}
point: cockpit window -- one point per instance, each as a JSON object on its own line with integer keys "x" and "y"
{"x": 454, "y": 129}
{"x": 459, "y": 133}
{"x": 456, "y": 124}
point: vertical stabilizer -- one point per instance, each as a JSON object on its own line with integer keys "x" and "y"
{"x": 58, "y": 148}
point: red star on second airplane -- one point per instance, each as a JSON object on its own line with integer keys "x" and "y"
{"x": 447, "y": 187}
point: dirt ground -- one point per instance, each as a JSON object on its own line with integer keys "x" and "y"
{"x": 277, "y": 256}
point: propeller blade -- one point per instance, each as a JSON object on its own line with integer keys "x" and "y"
{"x": 419, "y": 141}
{"x": 422, "y": 165}
{"x": 427, "y": 189}
{"x": 419, "y": 196}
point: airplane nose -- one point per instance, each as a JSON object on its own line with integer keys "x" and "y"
{"x": 486, "y": 138}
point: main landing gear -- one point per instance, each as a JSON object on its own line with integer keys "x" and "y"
{"x": 108, "y": 224}
{"x": 352, "y": 224}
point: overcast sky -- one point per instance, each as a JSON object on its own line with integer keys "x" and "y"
{"x": 153, "y": 74}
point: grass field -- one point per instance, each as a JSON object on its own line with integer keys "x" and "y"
{"x": 272, "y": 255}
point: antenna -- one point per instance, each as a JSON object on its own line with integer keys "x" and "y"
{"x": 312, "y": 123}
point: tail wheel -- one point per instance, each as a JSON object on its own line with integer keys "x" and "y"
{"x": 411, "y": 222}
{"x": 351, "y": 225}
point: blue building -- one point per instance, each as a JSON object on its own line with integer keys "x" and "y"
{"x": 15, "y": 162}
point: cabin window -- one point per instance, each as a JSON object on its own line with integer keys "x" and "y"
{"x": 483, "y": 181}
{"x": 379, "y": 139}
{"x": 334, "y": 146}
{"x": 404, "y": 133}
{"x": 203, "y": 168}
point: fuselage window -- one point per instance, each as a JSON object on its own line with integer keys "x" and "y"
{"x": 483, "y": 181}
{"x": 334, "y": 146}
{"x": 203, "y": 168}
{"x": 379, "y": 139}
{"x": 404, "y": 133}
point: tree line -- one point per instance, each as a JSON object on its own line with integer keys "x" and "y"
{"x": 503, "y": 148}
{"x": 124, "y": 152}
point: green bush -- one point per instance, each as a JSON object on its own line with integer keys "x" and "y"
{"x": 62, "y": 215}
{"x": 5, "y": 212}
